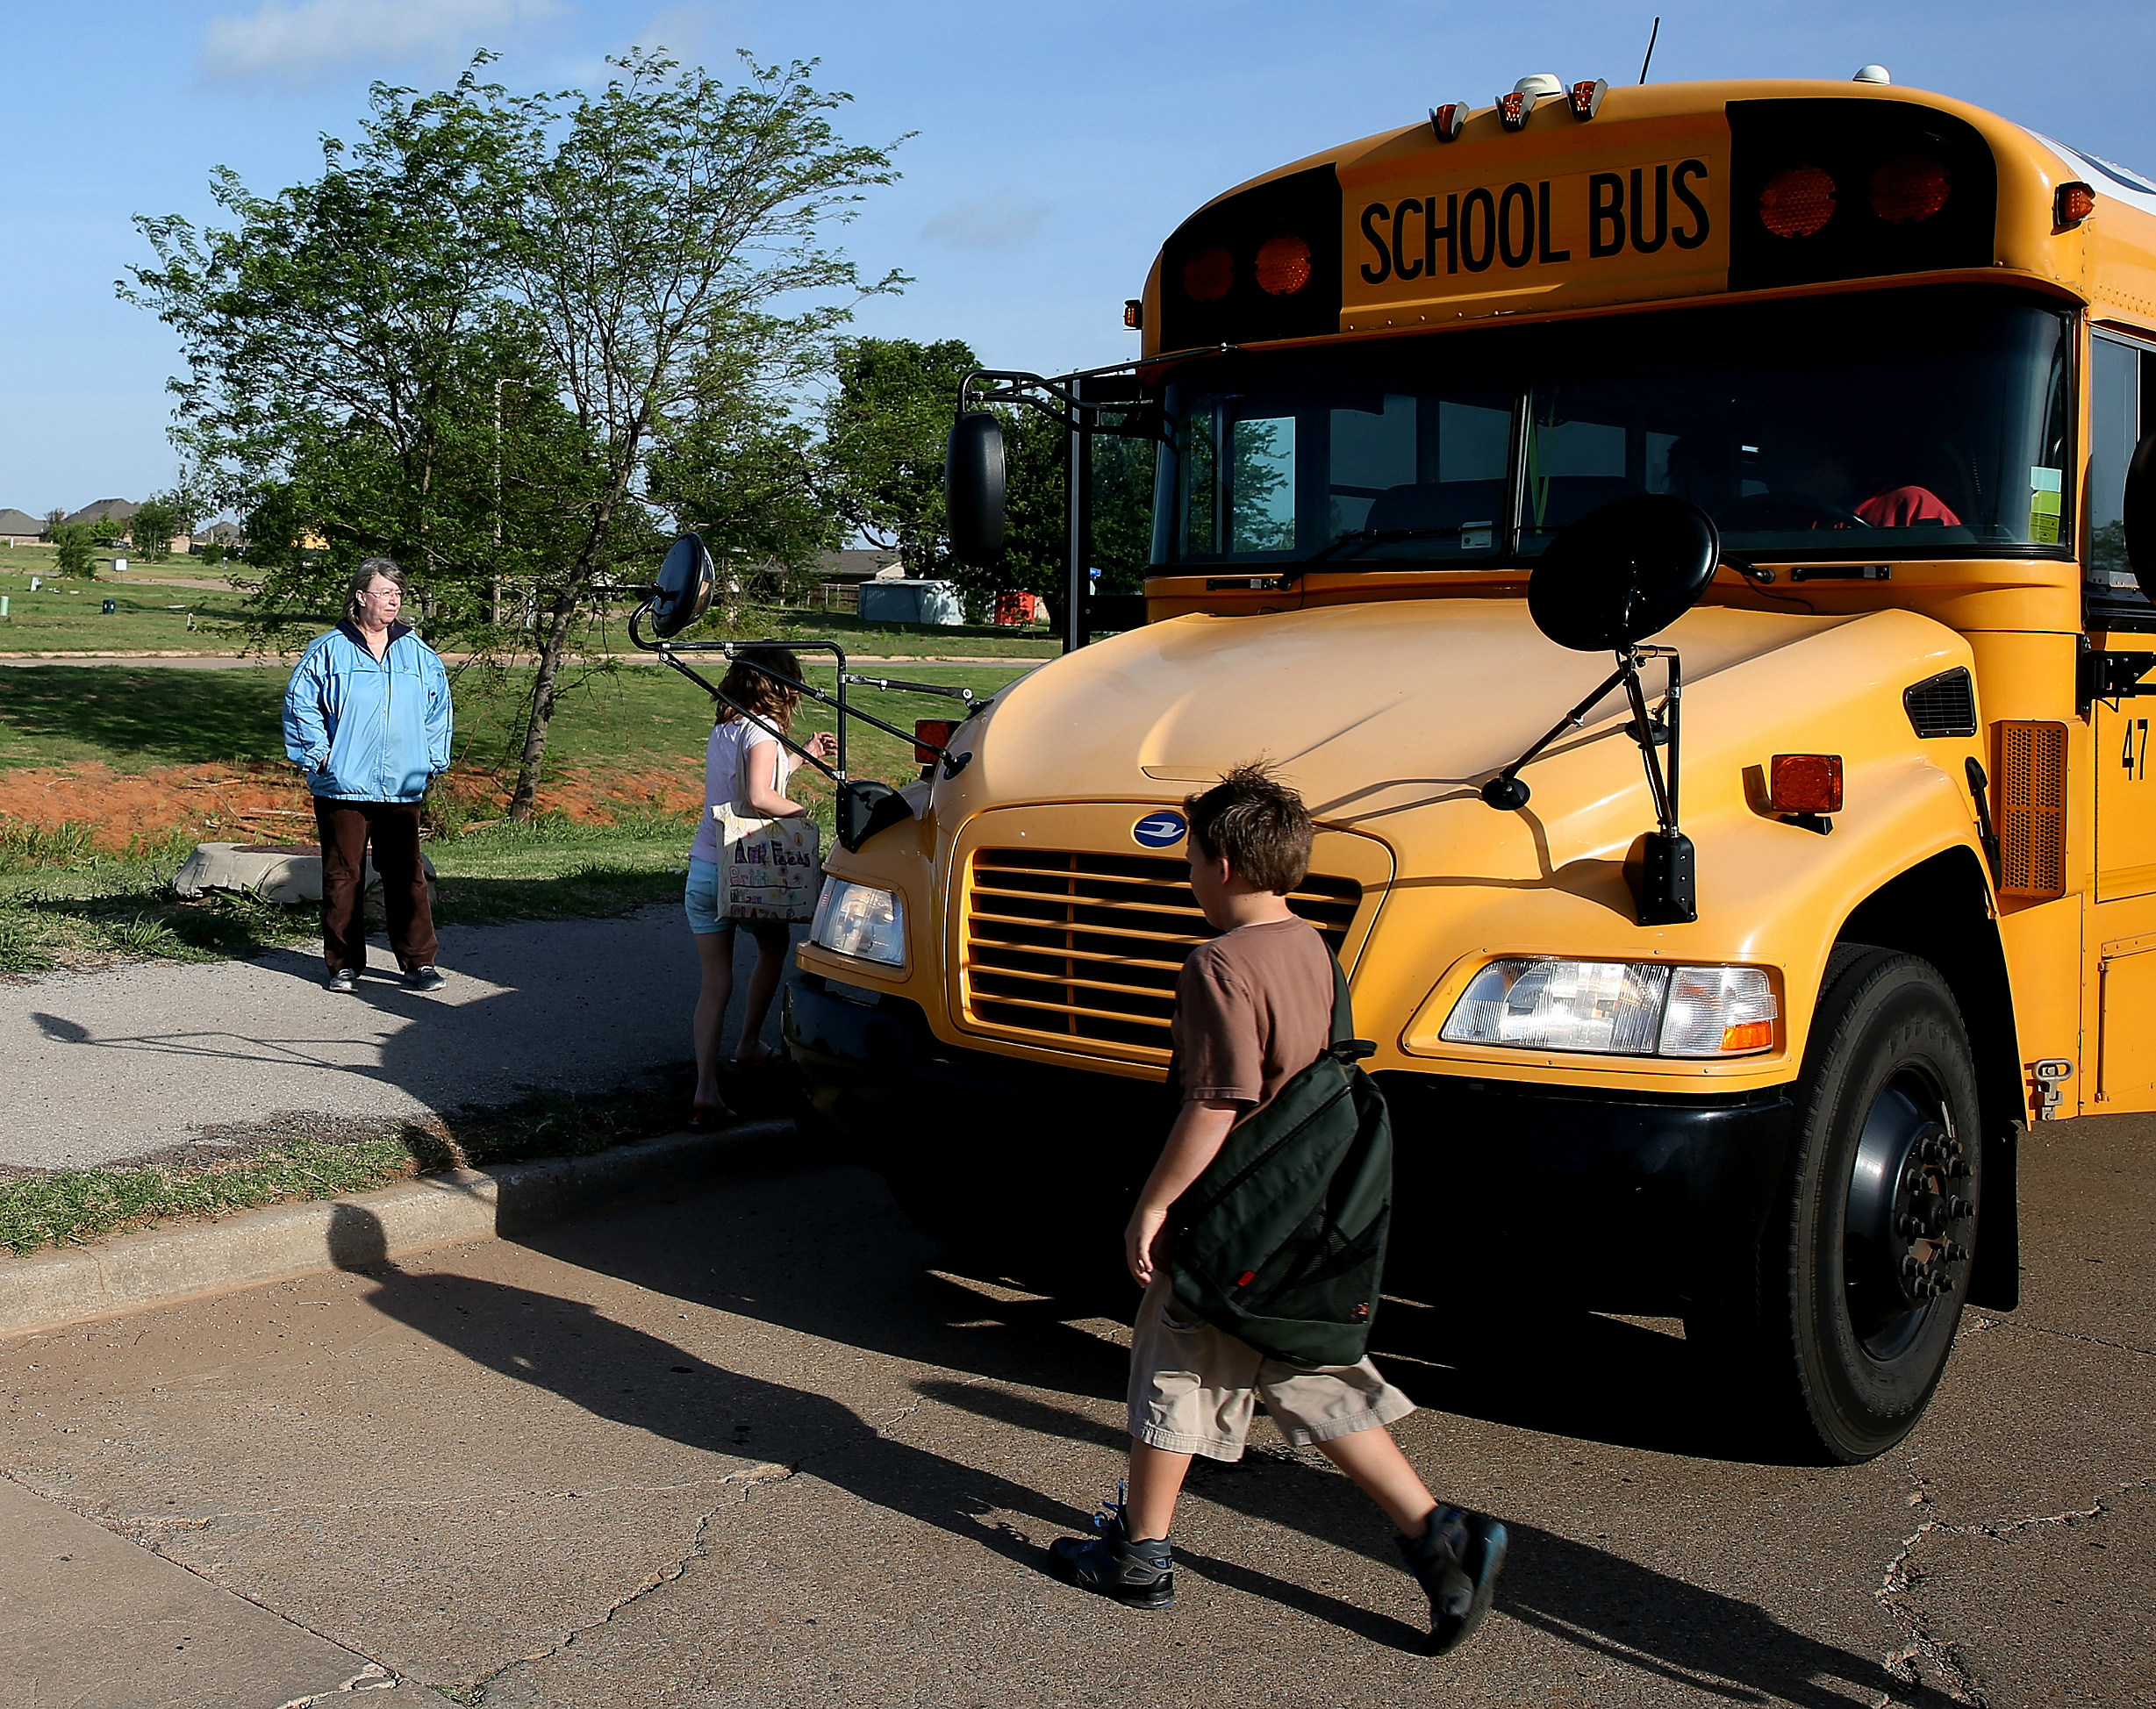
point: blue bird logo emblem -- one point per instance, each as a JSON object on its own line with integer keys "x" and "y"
{"x": 1158, "y": 831}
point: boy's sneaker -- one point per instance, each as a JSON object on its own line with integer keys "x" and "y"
{"x": 428, "y": 978}
{"x": 1140, "y": 1575}
{"x": 1455, "y": 1562}
{"x": 343, "y": 983}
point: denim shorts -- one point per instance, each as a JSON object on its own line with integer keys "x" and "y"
{"x": 700, "y": 900}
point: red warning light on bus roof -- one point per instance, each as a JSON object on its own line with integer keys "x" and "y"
{"x": 1909, "y": 189}
{"x": 1209, "y": 275}
{"x": 1283, "y": 265}
{"x": 1797, "y": 202}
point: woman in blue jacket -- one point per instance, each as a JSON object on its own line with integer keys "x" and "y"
{"x": 367, "y": 717}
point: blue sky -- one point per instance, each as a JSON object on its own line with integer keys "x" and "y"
{"x": 1056, "y": 143}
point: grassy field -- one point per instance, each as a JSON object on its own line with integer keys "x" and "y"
{"x": 206, "y": 615}
{"x": 133, "y": 717}
{"x": 630, "y": 740}
{"x": 68, "y": 616}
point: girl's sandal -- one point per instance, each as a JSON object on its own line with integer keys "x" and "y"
{"x": 765, "y": 1055}
{"x": 709, "y": 1117}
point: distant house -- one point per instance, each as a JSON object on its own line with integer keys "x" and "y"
{"x": 839, "y": 575}
{"x": 226, "y": 536}
{"x": 19, "y": 528}
{"x": 108, "y": 510}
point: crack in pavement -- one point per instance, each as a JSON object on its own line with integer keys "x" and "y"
{"x": 743, "y": 1481}
{"x": 369, "y": 1670}
{"x": 1896, "y": 1595}
{"x": 2092, "y": 1341}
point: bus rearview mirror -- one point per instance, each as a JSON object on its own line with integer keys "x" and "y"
{"x": 1624, "y": 572}
{"x": 973, "y": 472}
{"x": 684, "y": 587}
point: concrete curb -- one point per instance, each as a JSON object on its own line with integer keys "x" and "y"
{"x": 49, "y": 1291}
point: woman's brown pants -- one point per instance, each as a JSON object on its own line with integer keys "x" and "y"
{"x": 393, "y": 828}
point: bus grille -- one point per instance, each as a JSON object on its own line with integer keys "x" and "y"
{"x": 1075, "y": 946}
{"x": 1942, "y": 705}
{"x": 2031, "y": 810}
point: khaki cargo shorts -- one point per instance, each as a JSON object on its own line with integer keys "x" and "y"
{"x": 1193, "y": 1388}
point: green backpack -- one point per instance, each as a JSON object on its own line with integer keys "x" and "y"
{"x": 1281, "y": 1242}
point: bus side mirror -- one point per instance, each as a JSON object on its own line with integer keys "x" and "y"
{"x": 683, "y": 593}
{"x": 1625, "y": 572}
{"x": 973, "y": 488}
{"x": 2140, "y": 514}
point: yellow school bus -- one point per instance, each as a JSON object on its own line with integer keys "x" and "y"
{"x": 1757, "y": 1055}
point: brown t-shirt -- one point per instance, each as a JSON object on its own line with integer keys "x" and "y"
{"x": 1253, "y": 1007}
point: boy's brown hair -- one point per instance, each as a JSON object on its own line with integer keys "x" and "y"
{"x": 1254, "y": 823}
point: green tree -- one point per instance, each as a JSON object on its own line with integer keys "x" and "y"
{"x": 77, "y": 546}
{"x": 343, "y": 338}
{"x": 652, "y": 236}
{"x": 885, "y": 427}
{"x": 158, "y": 519}
{"x": 595, "y": 274}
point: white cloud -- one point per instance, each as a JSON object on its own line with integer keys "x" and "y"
{"x": 1002, "y": 220}
{"x": 279, "y": 41}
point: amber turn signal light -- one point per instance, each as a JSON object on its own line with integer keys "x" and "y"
{"x": 1585, "y": 99}
{"x": 936, "y": 730}
{"x": 1804, "y": 783}
{"x": 1448, "y": 121}
{"x": 1748, "y": 1036}
{"x": 1134, "y": 313}
{"x": 2073, "y": 201}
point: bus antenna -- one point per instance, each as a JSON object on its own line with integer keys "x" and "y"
{"x": 1644, "y": 63}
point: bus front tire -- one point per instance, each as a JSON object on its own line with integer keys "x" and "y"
{"x": 1864, "y": 1263}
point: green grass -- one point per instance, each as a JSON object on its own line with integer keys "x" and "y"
{"x": 64, "y": 902}
{"x": 132, "y": 717}
{"x": 68, "y": 616}
{"x": 324, "y": 1160}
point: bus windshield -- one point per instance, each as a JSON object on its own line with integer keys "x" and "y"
{"x": 1925, "y": 422}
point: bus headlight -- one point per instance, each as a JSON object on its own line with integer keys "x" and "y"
{"x": 1616, "y": 1008}
{"x": 861, "y": 921}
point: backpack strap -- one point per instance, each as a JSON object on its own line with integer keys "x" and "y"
{"x": 1345, "y": 1047}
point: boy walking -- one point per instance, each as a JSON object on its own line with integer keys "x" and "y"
{"x": 1254, "y": 1009}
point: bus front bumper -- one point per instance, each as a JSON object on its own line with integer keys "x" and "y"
{"x": 1619, "y": 1202}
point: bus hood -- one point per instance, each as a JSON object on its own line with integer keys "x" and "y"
{"x": 1376, "y": 711}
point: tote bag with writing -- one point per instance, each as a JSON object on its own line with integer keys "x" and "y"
{"x": 769, "y": 868}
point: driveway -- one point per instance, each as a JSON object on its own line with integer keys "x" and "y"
{"x": 764, "y": 1447}
{"x": 102, "y": 1068}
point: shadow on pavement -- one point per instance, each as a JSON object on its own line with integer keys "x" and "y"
{"x": 824, "y": 1257}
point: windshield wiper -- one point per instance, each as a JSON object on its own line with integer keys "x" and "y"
{"x": 1372, "y": 537}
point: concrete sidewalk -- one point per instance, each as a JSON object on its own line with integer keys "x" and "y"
{"x": 102, "y": 1067}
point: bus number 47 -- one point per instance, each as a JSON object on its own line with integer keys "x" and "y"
{"x": 2133, "y": 755}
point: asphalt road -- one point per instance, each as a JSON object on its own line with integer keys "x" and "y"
{"x": 755, "y": 1447}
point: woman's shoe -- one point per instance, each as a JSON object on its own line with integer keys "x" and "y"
{"x": 765, "y": 1055}
{"x": 709, "y": 1117}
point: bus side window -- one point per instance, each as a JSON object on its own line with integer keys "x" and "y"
{"x": 2117, "y": 379}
